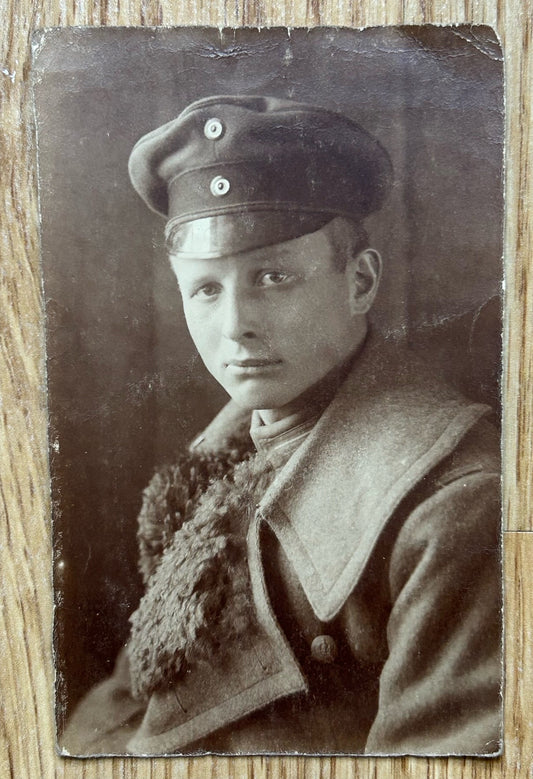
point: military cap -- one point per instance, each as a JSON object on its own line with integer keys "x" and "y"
{"x": 263, "y": 162}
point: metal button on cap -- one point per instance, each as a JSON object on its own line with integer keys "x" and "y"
{"x": 219, "y": 186}
{"x": 324, "y": 649}
{"x": 213, "y": 129}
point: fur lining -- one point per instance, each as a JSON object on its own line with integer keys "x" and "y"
{"x": 173, "y": 493}
{"x": 192, "y": 537}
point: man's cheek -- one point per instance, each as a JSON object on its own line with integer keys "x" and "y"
{"x": 196, "y": 331}
{"x": 207, "y": 356}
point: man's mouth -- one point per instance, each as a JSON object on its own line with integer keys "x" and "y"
{"x": 252, "y": 364}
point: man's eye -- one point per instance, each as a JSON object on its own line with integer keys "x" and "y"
{"x": 273, "y": 278}
{"x": 207, "y": 291}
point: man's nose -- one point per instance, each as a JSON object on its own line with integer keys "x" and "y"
{"x": 239, "y": 317}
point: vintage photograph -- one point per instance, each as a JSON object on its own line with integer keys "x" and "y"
{"x": 272, "y": 267}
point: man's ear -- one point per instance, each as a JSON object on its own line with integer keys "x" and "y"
{"x": 364, "y": 274}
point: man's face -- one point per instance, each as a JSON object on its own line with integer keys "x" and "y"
{"x": 271, "y": 322}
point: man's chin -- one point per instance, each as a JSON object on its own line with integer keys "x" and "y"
{"x": 250, "y": 401}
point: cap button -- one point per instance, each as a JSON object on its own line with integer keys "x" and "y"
{"x": 219, "y": 186}
{"x": 324, "y": 649}
{"x": 213, "y": 129}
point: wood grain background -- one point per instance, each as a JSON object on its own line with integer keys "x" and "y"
{"x": 26, "y": 677}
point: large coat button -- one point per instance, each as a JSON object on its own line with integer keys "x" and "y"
{"x": 324, "y": 649}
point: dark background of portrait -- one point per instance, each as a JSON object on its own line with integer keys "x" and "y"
{"x": 126, "y": 389}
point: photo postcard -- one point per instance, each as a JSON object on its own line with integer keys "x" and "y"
{"x": 272, "y": 265}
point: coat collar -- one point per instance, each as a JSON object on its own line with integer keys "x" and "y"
{"x": 389, "y": 425}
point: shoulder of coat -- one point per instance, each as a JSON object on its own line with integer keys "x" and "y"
{"x": 478, "y": 452}
{"x": 232, "y": 423}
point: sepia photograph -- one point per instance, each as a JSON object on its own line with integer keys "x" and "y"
{"x": 273, "y": 277}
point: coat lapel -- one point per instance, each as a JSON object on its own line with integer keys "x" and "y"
{"x": 388, "y": 426}
{"x": 252, "y": 671}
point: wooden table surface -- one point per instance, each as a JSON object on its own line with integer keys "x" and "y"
{"x": 26, "y": 676}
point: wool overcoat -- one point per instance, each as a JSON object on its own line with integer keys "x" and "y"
{"x": 374, "y": 560}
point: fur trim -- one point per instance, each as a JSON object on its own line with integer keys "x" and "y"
{"x": 198, "y": 597}
{"x": 173, "y": 494}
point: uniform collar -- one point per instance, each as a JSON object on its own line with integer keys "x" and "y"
{"x": 388, "y": 426}
{"x": 279, "y": 440}
{"x": 390, "y": 423}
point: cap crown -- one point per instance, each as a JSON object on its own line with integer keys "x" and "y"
{"x": 229, "y": 154}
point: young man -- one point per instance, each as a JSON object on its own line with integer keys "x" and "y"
{"x": 322, "y": 568}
